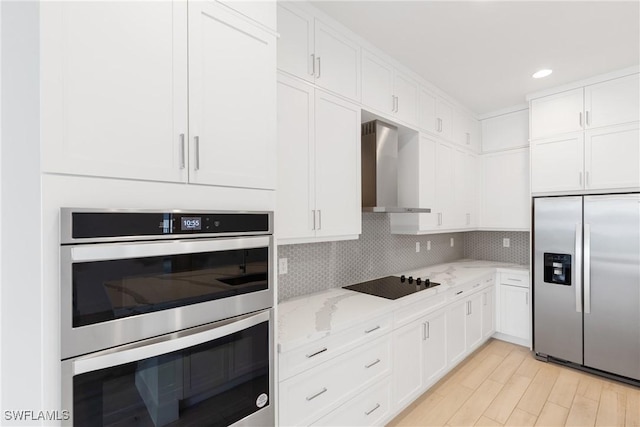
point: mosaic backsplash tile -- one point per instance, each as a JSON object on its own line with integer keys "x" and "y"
{"x": 487, "y": 245}
{"x": 315, "y": 267}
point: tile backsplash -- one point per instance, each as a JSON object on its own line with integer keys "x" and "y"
{"x": 315, "y": 267}
{"x": 488, "y": 245}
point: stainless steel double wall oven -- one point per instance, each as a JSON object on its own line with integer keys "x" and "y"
{"x": 166, "y": 317}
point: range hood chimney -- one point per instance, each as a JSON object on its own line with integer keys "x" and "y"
{"x": 380, "y": 169}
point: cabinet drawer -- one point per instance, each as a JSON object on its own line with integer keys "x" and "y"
{"x": 513, "y": 279}
{"x": 298, "y": 360}
{"x": 461, "y": 291}
{"x": 311, "y": 394}
{"x": 371, "y": 408}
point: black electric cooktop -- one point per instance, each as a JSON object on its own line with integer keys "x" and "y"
{"x": 392, "y": 287}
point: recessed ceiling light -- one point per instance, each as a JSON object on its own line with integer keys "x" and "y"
{"x": 542, "y": 73}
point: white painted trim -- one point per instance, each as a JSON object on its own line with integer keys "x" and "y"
{"x": 315, "y": 239}
{"x": 586, "y": 82}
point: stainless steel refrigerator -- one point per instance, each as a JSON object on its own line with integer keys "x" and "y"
{"x": 586, "y": 281}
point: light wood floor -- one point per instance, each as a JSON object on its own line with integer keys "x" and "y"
{"x": 503, "y": 384}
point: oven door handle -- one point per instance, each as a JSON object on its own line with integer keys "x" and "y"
{"x": 111, "y": 251}
{"x": 166, "y": 344}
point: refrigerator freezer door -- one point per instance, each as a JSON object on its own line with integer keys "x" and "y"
{"x": 557, "y": 307}
{"x": 612, "y": 284}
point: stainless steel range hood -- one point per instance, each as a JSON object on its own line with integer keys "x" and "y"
{"x": 380, "y": 169}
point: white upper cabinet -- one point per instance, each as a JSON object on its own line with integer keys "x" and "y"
{"x": 612, "y": 157}
{"x": 406, "y": 93}
{"x": 506, "y": 202}
{"x": 232, "y": 99}
{"x": 466, "y": 130}
{"x": 377, "y": 83}
{"x": 427, "y": 119}
{"x": 295, "y": 44}
{"x": 557, "y": 164}
{"x": 505, "y": 131}
{"x": 114, "y": 90}
{"x": 166, "y": 97}
{"x": 387, "y": 90}
{"x": 557, "y": 114}
{"x": 609, "y": 103}
{"x": 318, "y": 195}
{"x": 312, "y": 50}
{"x": 612, "y": 102}
{"x": 602, "y": 153}
{"x": 444, "y": 119}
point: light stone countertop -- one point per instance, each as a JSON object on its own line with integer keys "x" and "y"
{"x": 307, "y": 318}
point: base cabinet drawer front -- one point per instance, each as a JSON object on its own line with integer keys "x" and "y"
{"x": 298, "y": 360}
{"x": 520, "y": 280}
{"x": 371, "y": 408}
{"x": 311, "y": 394}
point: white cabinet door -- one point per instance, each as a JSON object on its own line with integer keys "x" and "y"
{"x": 459, "y": 211}
{"x": 557, "y": 114}
{"x": 506, "y": 131}
{"x": 427, "y": 119}
{"x": 337, "y": 62}
{"x": 444, "y": 190}
{"x": 474, "y": 321}
{"x": 557, "y": 164}
{"x": 461, "y": 128}
{"x": 261, "y": 11}
{"x": 114, "y": 89}
{"x": 612, "y": 102}
{"x": 456, "y": 324}
{"x": 476, "y": 135}
{"x": 427, "y": 185}
{"x": 408, "y": 366}
{"x": 505, "y": 198}
{"x": 472, "y": 201}
{"x": 612, "y": 157}
{"x": 444, "y": 119}
{"x": 435, "y": 348}
{"x": 295, "y": 44}
{"x": 337, "y": 148}
{"x": 514, "y": 311}
{"x": 406, "y": 91}
{"x": 294, "y": 199}
{"x": 232, "y": 99}
{"x": 377, "y": 83}
{"x": 488, "y": 312}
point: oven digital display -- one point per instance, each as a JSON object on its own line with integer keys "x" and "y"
{"x": 191, "y": 223}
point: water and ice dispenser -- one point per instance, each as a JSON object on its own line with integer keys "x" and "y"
{"x": 557, "y": 269}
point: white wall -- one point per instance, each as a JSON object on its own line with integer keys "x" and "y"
{"x": 20, "y": 222}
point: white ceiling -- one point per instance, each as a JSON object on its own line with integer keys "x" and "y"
{"x": 483, "y": 53}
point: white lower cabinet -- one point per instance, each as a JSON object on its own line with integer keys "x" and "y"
{"x": 370, "y": 408}
{"x": 419, "y": 356}
{"x": 514, "y": 308}
{"x": 312, "y": 394}
{"x": 488, "y": 312}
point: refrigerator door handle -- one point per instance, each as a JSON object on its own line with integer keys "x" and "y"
{"x": 587, "y": 268}
{"x": 578, "y": 268}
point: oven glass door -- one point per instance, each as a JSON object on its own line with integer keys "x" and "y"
{"x": 132, "y": 279}
{"x": 217, "y": 382}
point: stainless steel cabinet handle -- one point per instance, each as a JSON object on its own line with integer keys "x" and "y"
{"x": 318, "y": 59}
{"x": 587, "y": 118}
{"x": 578, "y": 267}
{"x": 313, "y": 65}
{"x": 397, "y": 103}
{"x": 428, "y": 329}
{"x": 393, "y": 103}
{"x": 319, "y": 219}
{"x": 196, "y": 140}
{"x": 309, "y": 356}
{"x": 310, "y": 398}
{"x": 439, "y": 218}
{"x": 374, "y": 363}
{"x": 468, "y": 138}
{"x": 313, "y": 212}
{"x": 371, "y": 411}
{"x": 580, "y": 118}
{"x": 459, "y": 292}
{"x": 439, "y": 124}
{"x": 372, "y": 329}
{"x": 485, "y": 297}
{"x": 587, "y": 268}
{"x": 182, "y": 152}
